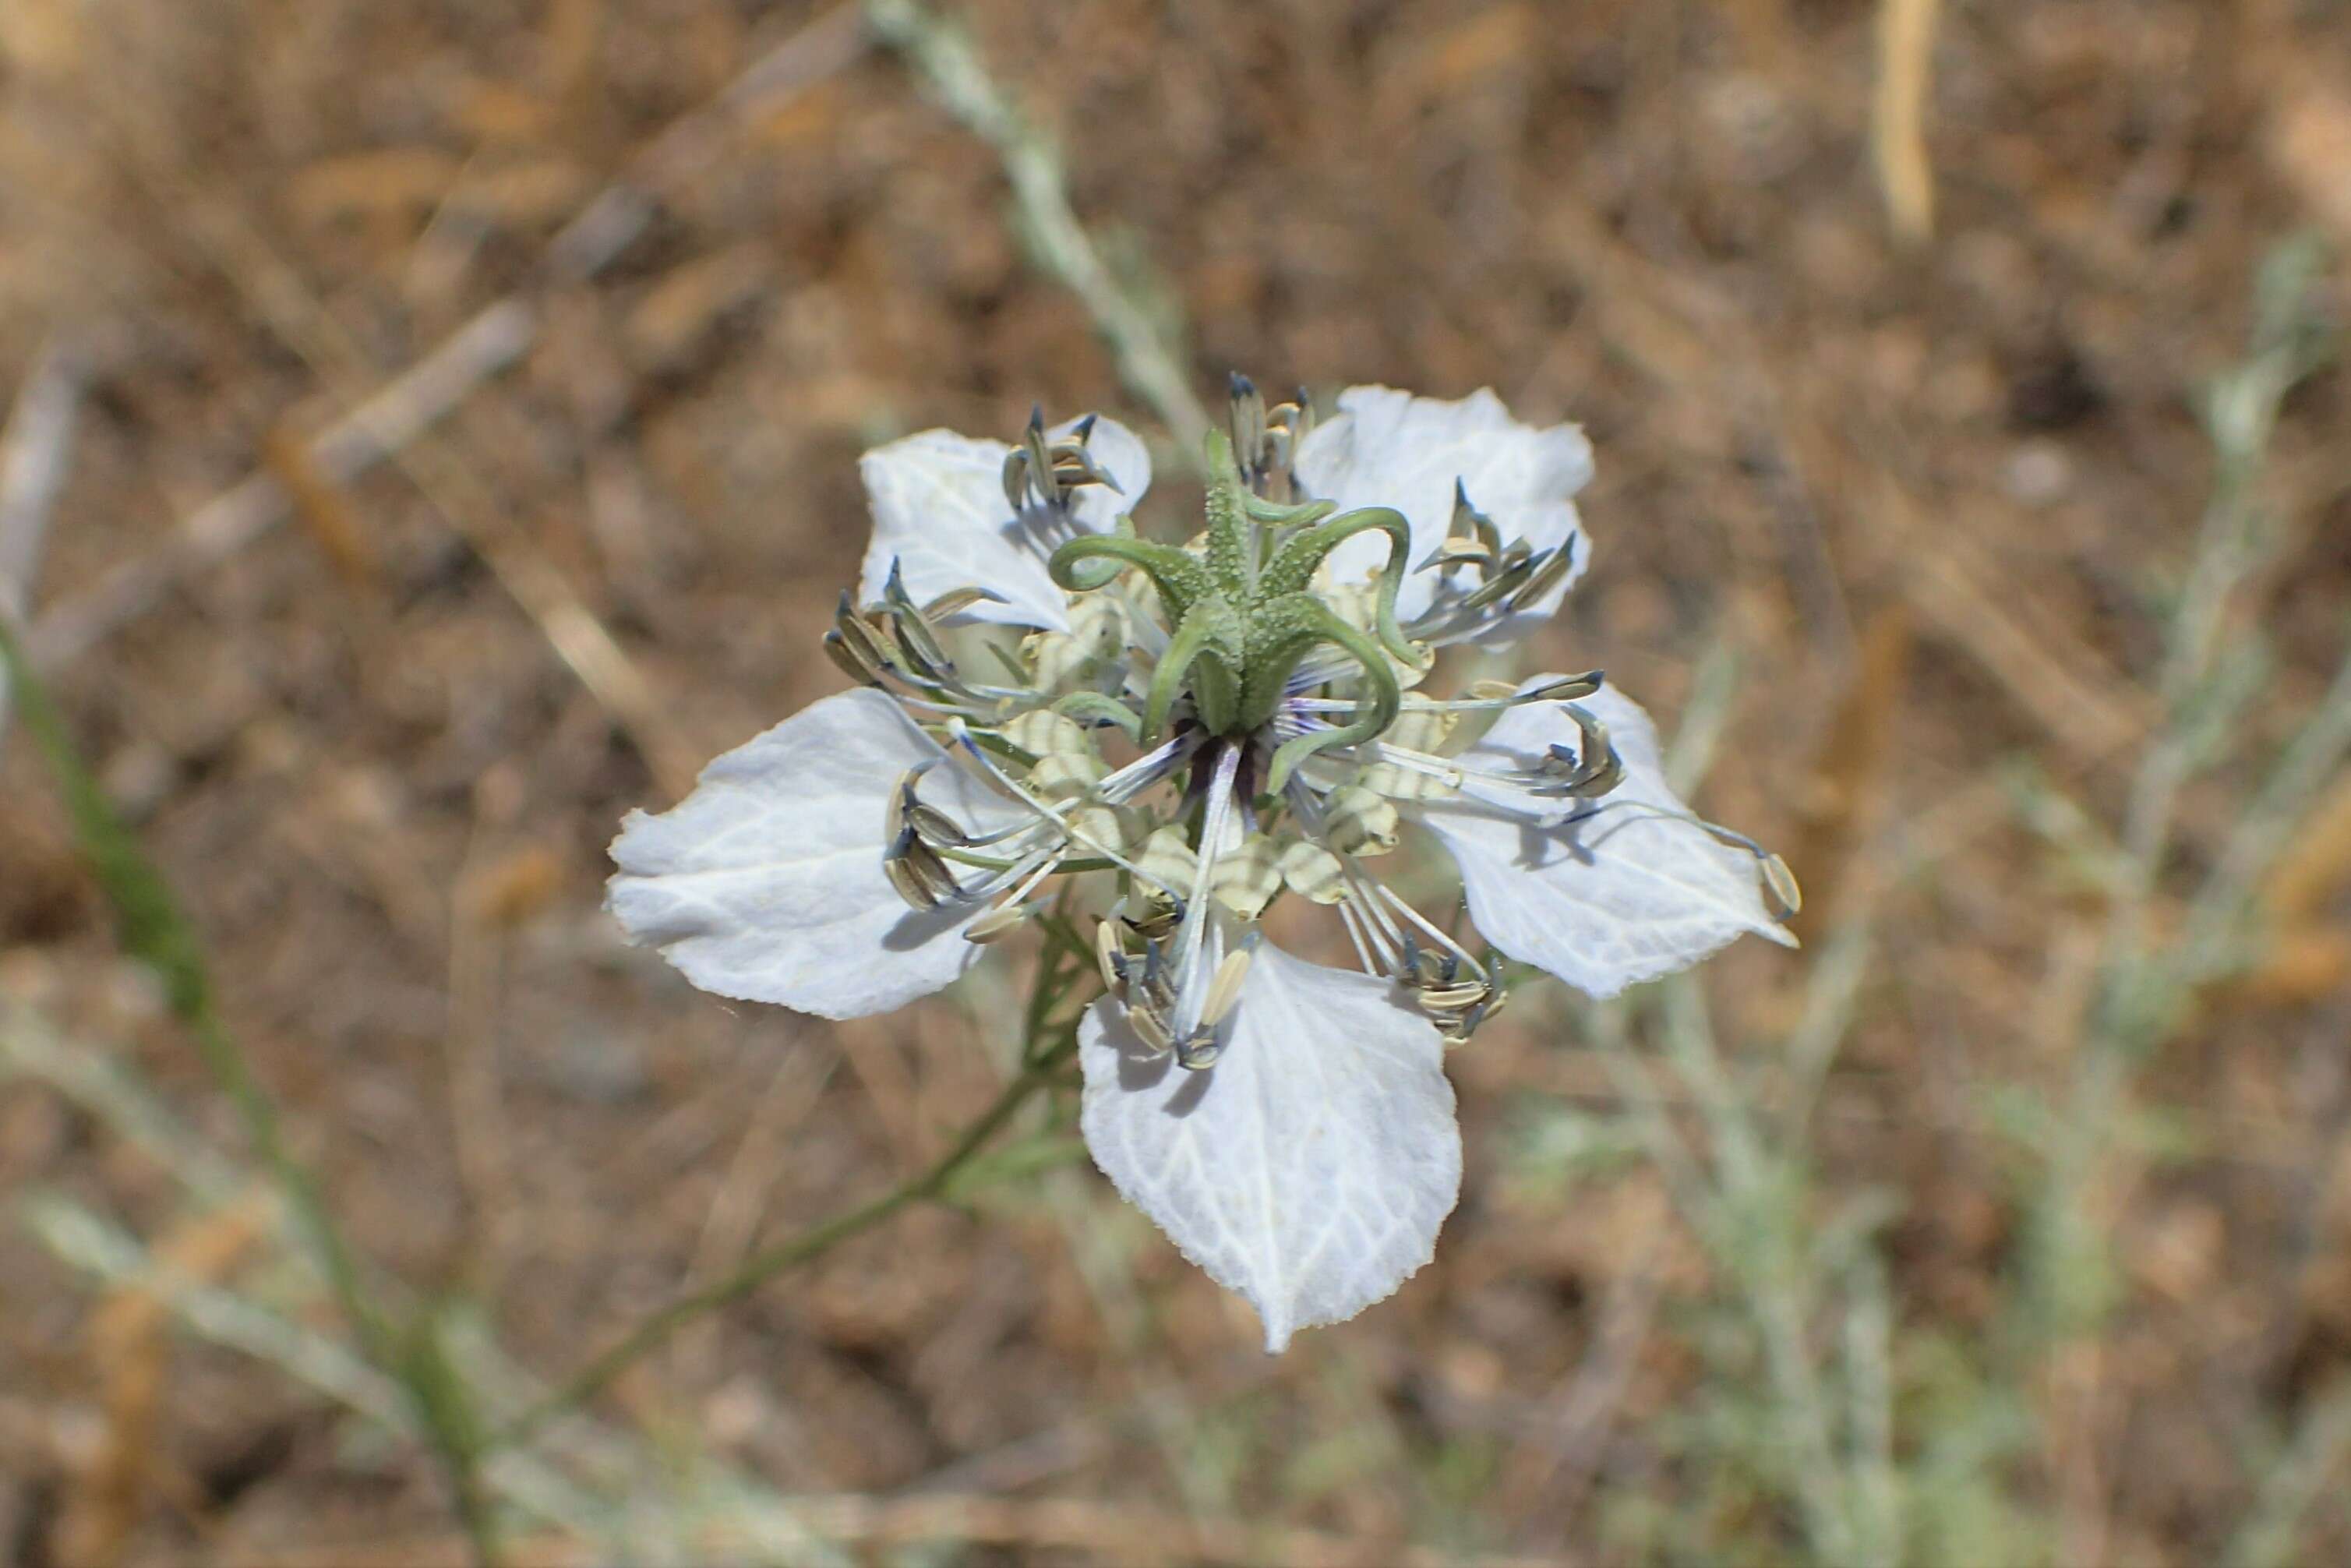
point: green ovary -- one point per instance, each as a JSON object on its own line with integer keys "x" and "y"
{"x": 1245, "y": 614}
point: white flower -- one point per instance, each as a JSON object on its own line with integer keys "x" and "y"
{"x": 1205, "y": 729}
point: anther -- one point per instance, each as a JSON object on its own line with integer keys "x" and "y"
{"x": 1548, "y": 576}
{"x": 1225, "y": 987}
{"x": 838, "y": 649}
{"x": 1568, "y": 688}
{"x": 1110, "y": 953}
{"x": 997, "y": 924}
{"x": 1360, "y": 822}
{"x": 1149, "y": 1030}
{"x": 866, "y": 643}
{"x": 1467, "y": 521}
{"x": 1591, "y": 768}
{"x": 1199, "y": 1053}
{"x": 1246, "y": 412}
{"x": 917, "y": 873}
{"x": 955, "y": 600}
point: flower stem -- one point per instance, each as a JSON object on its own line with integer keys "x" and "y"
{"x": 154, "y": 927}
{"x": 757, "y": 1270}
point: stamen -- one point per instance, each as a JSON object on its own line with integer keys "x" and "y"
{"x": 1377, "y": 941}
{"x": 1111, "y": 955}
{"x": 1592, "y": 769}
{"x": 1190, "y": 936}
{"x": 1050, "y": 472}
{"x": 1225, "y": 987}
{"x": 1354, "y": 923}
{"x": 1546, "y": 578}
{"x": 997, "y": 924}
{"x": 850, "y": 661}
{"x": 918, "y": 875}
{"x": 1460, "y": 955}
{"x": 1783, "y": 885}
{"x": 955, "y": 600}
{"x": 1155, "y": 1034}
{"x": 960, "y": 733}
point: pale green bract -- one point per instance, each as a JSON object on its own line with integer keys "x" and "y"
{"x": 1186, "y": 733}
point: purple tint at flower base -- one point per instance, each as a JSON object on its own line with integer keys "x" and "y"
{"x": 1193, "y": 731}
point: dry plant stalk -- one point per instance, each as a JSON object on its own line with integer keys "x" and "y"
{"x": 951, "y": 67}
{"x": 405, "y": 407}
{"x": 1897, "y": 131}
{"x": 496, "y": 894}
{"x": 36, "y": 451}
{"x": 442, "y": 473}
{"x": 1692, "y": 345}
{"x": 128, "y": 1340}
{"x": 490, "y": 342}
{"x": 1841, "y": 805}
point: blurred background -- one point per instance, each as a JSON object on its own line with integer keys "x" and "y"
{"x": 435, "y": 431}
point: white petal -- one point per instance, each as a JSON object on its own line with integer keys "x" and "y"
{"x": 1615, "y": 894}
{"x": 766, "y": 884}
{"x": 939, "y": 512}
{"x": 1388, "y": 448}
{"x": 1310, "y": 1168}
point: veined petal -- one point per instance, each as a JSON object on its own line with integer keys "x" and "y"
{"x": 766, "y": 884}
{"x": 939, "y": 512}
{"x": 1389, "y": 449}
{"x": 1310, "y": 1168}
{"x": 1616, "y": 893}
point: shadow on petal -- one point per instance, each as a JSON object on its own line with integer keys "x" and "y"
{"x": 1142, "y": 1069}
{"x": 921, "y": 927}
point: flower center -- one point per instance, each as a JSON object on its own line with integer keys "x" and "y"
{"x": 1278, "y": 697}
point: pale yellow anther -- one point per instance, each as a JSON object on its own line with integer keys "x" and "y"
{"x": 997, "y": 924}
{"x": 1424, "y": 727}
{"x": 1096, "y": 827}
{"x": 1353, "y": 602}
{"x": 1225, "y": 987}
{"x": 1061, "y": 660}
{"x": 1248, "y": 876}
{"x": 1784, "y": 887}
{"x": 1312, "y": 872}
{"x": 1165, "y": 859}
{"x": 1110, "y": 954}
{"x": 1357, "y": 604}
{"x": 1066, "y": 775}
{"x": 1041, "y": 732}
{"x": 1360, "y": 822}
{"x": 1149, "y": 1030}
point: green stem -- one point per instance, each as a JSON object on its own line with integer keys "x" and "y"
{"x": 1085, "y": 564}
{"x": 1200, "y": 639}
{"x": 154, "y": 929}
{"x": 810, "y": 1244}
{"x": 1293, "y": 570}
{"x": 1377, "y": 710}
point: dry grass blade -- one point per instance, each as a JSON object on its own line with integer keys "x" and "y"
{"x": 1119, "y": 1532}
{"x": 1843, "y": 801}
{"x": 2092, "y": 718}
{"x": 1098, "y": 1530}
{"x": 1693, "y": 346}
{"x": 491, "y": 341}
{"x": 1898, "y": 130}
{"x": 952, "y": 69}
{"x": 35, "y": 453}
{"x": 403, "y": 409}
{"x": 465, "y": 500}
{"x": 130, "y": 1349}
{"x": 2318, "y": 866}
